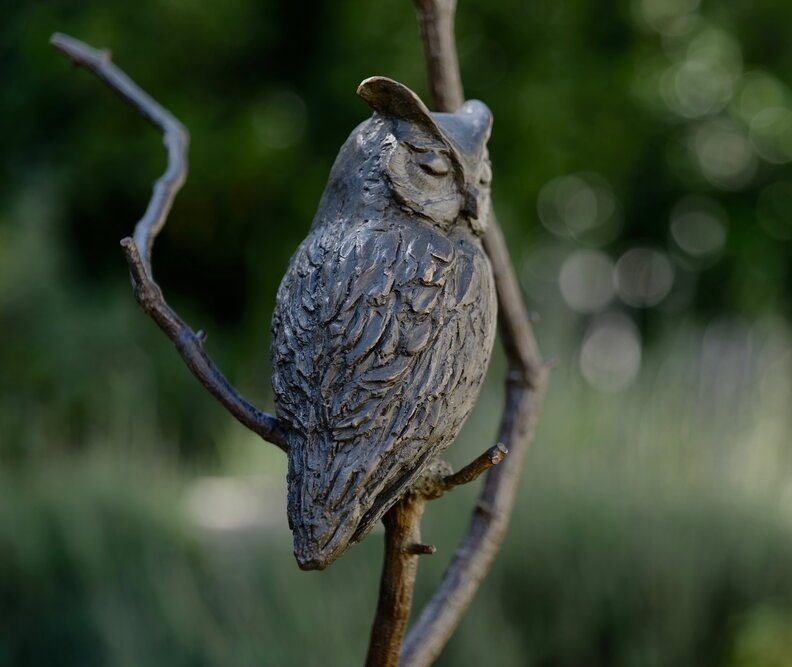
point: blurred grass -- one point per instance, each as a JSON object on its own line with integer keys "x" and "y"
{"x": 651, "y": 529}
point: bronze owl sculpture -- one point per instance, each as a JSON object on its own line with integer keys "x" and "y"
{"x": 385, "y": 319}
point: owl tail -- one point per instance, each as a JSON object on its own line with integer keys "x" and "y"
{"x": 322, "y": 505}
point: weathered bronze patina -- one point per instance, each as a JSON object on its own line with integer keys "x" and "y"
{"x": 385, "y": 319}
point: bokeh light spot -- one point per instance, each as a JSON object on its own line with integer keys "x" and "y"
{"x": 643, "y": 277}
{"x": 610, "y": 357}
{"x": 586, "y": 281}
{"x": 715, "y": 47}
{"x": 226, "y": 504}
{"x": 724, "y": 154}
{"x": 694, "y": 89}
{"x": 667, "y": 17}
{"x": 580, "y": 206}
{"x": 771, "y": 134}
{"x": 758, "y": 91}
{"x": 698, "y": 229}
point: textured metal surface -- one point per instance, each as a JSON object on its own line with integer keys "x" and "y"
{"x": 385, "y": 319}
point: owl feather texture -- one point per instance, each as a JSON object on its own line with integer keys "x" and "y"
{"x": 385, "y": 319}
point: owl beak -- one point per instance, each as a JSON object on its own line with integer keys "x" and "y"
{"x": 464, "y": 133}
{"x": 471, "y": 205}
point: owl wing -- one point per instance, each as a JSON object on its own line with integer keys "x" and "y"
{"x": 380, "y": 343}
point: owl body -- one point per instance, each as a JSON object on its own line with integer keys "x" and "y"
{"x": 384, "y": 321}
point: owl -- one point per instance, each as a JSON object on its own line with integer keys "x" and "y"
{"x": 385, "y": 319}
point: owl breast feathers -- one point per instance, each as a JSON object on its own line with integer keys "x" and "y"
{"x": 382, "y": 332}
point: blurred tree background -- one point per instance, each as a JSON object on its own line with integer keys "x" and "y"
{"x": 642, "y": 158}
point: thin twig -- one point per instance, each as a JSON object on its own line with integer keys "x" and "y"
{"x": 473, "y": 470}
{"x": 137, "y": 249}
{"x": 420, "y": 549}
{"x": 175, "y": 136}
{"x": 525, "y": 384}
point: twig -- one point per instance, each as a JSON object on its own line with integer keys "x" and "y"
{"x": 137, "y": 249}
{"x": 420, "y": 549}
{"x": 525, "y": 384}
{"x": 472, "y": 471}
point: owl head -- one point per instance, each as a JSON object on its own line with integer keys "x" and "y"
{"x": 437, "y": 164}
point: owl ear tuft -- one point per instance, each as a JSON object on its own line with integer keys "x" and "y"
{"x": 394, "y": 99}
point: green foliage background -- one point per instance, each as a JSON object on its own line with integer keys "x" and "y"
{"x": 140, "y": 525}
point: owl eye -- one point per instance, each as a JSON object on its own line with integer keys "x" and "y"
{"x": 433, "y": 163}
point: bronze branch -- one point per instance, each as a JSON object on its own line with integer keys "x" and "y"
{"x": 525, "y": 382}
{"x": 138, "y": 248}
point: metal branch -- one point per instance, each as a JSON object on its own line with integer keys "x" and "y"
{"x": 525, "y": 384}
{"x": 397, "y": 582}
{"x": 402, "y": 535}
{"x": 436, "y": 22}
{"x": 137, "y": 249}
